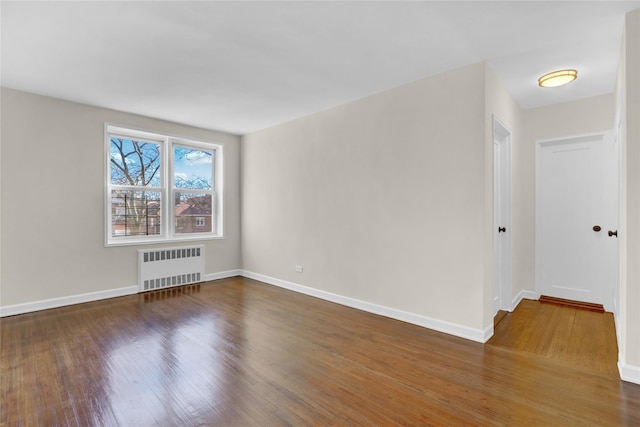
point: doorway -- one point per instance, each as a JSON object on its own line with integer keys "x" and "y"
{"x": 577, "y": 207}
{"x": 502, "y": 298}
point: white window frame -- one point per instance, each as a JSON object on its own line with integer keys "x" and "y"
{"x": 166, "y": 189}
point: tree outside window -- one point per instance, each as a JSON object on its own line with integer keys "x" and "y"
{"x": 135, "y": 181}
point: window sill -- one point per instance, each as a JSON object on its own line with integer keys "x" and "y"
{"x": 159, "y": 240}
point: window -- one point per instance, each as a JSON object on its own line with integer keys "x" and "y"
{"x": 161, "y": 188}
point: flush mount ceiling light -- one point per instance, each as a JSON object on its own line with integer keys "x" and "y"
{"x": 557, "y": 78}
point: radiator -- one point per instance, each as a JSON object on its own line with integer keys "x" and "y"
{"x": 167, "y": 267}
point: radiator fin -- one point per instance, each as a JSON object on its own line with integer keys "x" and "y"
{"x": 163, "y": 268}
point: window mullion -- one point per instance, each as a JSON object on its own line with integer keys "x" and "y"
{"x": 166, "y": 173}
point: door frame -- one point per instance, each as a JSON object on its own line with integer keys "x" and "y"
{"x": 502, "y": 246}
{"x": 607, "y": 294}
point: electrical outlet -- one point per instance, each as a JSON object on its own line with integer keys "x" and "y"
{"x": 299, "y": 268}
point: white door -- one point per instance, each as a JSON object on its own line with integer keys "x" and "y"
{"x": 611, "y": 206}
{"x": 501, "y": 217}
{"x": 576, "y": 207}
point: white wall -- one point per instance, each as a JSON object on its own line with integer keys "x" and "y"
{"x": 0, "y": 198}
{"x": 380, "y": 200}
{"x": 52, "y": 189}
{"x": 628, "y": 109}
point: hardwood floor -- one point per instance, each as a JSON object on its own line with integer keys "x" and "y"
{"x": 237, "y": 352}
{"x": 570, "y": 336}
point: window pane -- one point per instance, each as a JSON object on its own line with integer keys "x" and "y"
{"x": 193, "y": 213}
{"x": 135, "y": 162}
{"x": 192, "y": 168}
{"x": 135, "y": 213}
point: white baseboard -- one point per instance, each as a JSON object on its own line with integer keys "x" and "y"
{"x": 488, "y": 333}
{"x": 222, "y": 275}
{"x": 629, "y": 373}
{"x": 416, "y": 319}
{"x": 11, "y": 310}
{"x": 523, "y": 295}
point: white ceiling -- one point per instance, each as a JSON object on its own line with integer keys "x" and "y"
{"x": 242, "y": 66}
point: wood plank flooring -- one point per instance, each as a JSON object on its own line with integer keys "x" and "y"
{"x": 570, "y": 336}
{"x": 237, "y": 352}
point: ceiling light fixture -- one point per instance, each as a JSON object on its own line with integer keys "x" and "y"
{"x": 557, "y": 78}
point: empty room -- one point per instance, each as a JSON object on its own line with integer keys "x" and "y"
{"x": 345, "y": 213}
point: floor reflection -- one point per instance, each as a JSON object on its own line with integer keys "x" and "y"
{"x": 163, "y": 294}
{"x": 177, "y": 368}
